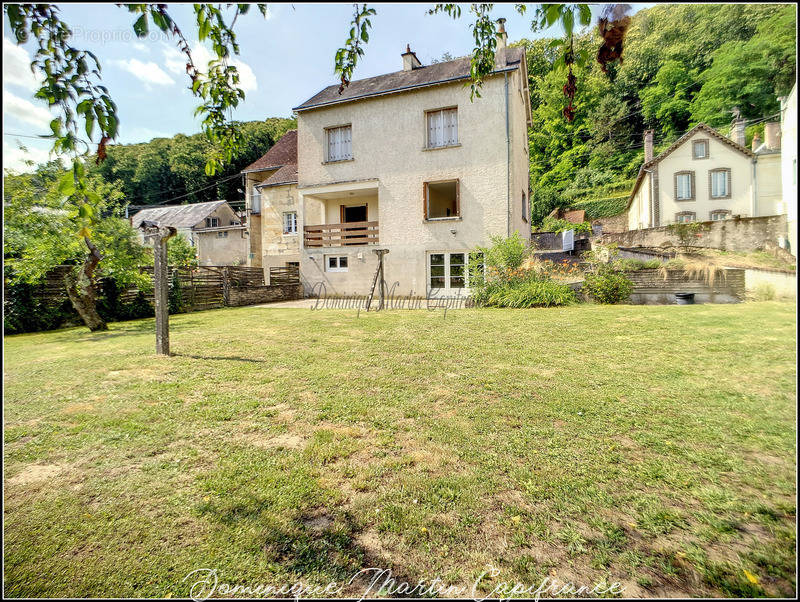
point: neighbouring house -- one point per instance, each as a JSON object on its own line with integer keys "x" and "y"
{"x": 272, "y": 205}
{"x": 405, "y": 162}
{"x": 706, "y": 176}
{"x": 789, "y": 164}
{"x": 213, "y": 228}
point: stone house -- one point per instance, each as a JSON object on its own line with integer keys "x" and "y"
{"x": 272, "y": 207}
{"x": 213, "y": 228}
{"x": 405, "y": 162}
{"x": 705, "y": 176}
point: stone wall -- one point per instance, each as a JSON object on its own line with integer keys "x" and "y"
{"x": 743, "y": 234}
{"x": 253, "y": 295}
{"x": 651, "y": 288}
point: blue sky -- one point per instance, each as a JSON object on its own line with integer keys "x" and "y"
{"x": 284, "y": 60}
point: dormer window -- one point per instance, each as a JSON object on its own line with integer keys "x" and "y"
{"x": 212, "y": 222}
{"x": 700, "y": 149}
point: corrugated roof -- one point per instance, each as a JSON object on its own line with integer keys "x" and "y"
{"x": 401, "y": 81}
{"x": 177, "y": 216}
{"x": 283, "y": 152}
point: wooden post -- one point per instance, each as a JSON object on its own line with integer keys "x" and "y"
{"x": 160, "y": 235}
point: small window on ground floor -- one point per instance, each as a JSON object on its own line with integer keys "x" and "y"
{"x": 442, "y": 199}
{"x": 223, "y": 234}
{"x": 336, "y": 263}
{"x": 684, "y": 217}
{"x": 719, "y": 214}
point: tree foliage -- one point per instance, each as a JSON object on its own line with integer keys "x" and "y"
{"x": 684, "y": 63}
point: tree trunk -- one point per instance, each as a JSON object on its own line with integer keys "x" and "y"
{"x": 81, "y": 291}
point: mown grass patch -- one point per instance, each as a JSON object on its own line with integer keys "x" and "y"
{"x": 648, "y": 445}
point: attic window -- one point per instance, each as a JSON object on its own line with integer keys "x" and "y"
{"x": 212, "y": 222}
{"x": 700, "y": 149}
{"x": 442, "y": 200}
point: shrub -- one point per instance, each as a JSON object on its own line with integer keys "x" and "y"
{"x": 608, "y": 286}
{"x": 525, "y": 294}
{"x": 504, "y": 258}
{"x": 765, "y": 291}
{"x": 551, "y": 224}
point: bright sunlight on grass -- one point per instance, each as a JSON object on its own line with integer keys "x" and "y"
{"x": 651, "y": 445}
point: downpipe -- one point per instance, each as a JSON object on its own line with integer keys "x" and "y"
{"x": 508, "y": 164}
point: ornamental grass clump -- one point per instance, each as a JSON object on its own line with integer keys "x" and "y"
{"x": 514, "y": 278}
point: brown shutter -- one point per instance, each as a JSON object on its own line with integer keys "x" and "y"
{"x": 710, "y": 184}
{"x": 458, "y": 198}
{"x": 675, "y": 181}
{"x": 730, "y": 181}
{"x": 694, "y": 193}
{"x": 424, "y": 200}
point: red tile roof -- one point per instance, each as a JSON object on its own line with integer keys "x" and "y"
{"x": 285, "y": 175}
{"x": 283, "y": 152}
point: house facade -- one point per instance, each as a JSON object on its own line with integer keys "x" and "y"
{"x": 705, "y": 176}
{"x": 789, "y": 164}
{"x": 272, "y": 205}
{"x": 213, "y": 229}
{"x": 407, "y": 162}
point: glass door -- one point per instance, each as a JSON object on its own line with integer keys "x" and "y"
{"x": 447, "y": 274}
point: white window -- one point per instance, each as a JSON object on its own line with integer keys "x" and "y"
{"x": 683, "y": 183}
{"x": 719, "y": 215}
{"x": 223, "y": 234}
{"x": 450, "y": 273}
{"x": 212, "y": 222}
{"x": 336, "y": 263}
{"x": 290, "y": 222}
{"x": 719, "y": 183}
{"x": 442, "y": 128}
{"x": 685, "y": 217}
{"x": 340, "y": 147}
{"x": 255, "y": 200}
{"x": 700, "y": 149}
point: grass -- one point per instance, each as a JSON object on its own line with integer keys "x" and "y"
{"x": 654, "y": 446}
{"x": 736, "y": 259}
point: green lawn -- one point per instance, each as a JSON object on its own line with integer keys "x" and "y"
{"x": 654, "y": 446}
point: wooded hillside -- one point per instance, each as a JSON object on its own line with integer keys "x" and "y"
{"x": 172, "y": 170}
{"x": 682, "y": 64}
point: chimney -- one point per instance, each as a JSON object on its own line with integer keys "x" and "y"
{"x": 648, "y": 146}
{"x": 502, "y": 36}
{"x": 737, "y": 128}
{"x": 772, "y": 135}
{"x": 410, "y": 60}
{"x": 756, "y": 142}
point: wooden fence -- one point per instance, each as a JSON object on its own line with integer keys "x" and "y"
{"x": 205, "y": 287}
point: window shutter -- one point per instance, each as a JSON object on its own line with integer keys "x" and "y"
{"x": 729, "y": 192}
{"x": 458, "y": 197}
{"x": 431, "y": 130}
{"x": 347, "y": 143}
{"x": 425, "y": 200}
{"x": 691, "y": 191}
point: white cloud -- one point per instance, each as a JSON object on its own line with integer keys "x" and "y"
{"x": 141, "y": 47}
{"x": 27, "y": 112}
{"x": 14, "y": 157}
{"x": 148, "y": 72}
{"x": 176, "y": 63}
{"x": 17, "y": 66}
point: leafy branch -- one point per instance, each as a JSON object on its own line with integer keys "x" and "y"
{"x": 347, "y": 57}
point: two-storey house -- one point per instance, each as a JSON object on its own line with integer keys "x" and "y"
{"x": 705, "y": 176}
{"x": 407, "y": 162}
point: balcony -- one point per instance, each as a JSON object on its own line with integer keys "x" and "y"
{"x": 341, "y": 235}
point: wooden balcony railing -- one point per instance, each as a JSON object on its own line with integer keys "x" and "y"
{"x": 340, "y": 235}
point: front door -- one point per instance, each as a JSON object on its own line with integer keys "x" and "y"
{"x": 447, "y": 274}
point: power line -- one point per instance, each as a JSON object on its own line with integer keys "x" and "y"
{"x": 191, "y": 192}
